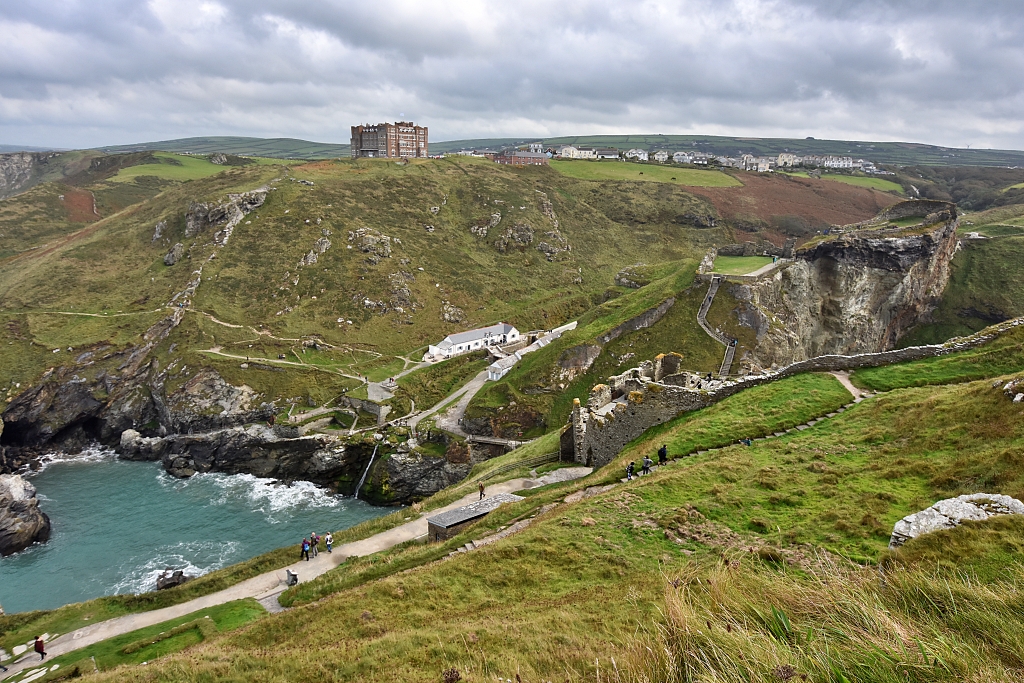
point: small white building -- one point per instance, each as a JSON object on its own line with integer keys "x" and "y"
{"x": 568, "y": 152}
{"x": 586, "y": 153}
{"x": 786, "y": 159}
{"x": 636, "y": 154}
{"x": 682, "y": 158}
{"x": 607, "y": 153}
{"x": 473, "y": 340}
{"x": 661, "y": 156}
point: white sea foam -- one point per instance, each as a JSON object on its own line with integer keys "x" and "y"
{"x": 90, "y": 454}
{"x": 269, "y": 496}
{"x": 195, "y": 558}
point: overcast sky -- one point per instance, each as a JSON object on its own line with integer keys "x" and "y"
{"x": 76, "y": 73}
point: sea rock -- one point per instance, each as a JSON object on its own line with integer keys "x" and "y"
{"x": 256, "y": 449}
{"x": 207, "y": 402}
{"x": 948, "y": 513}
{"x": 22, "y": 523}
{"x": 175, "y": 254}
{"x": 171, "y": 578}
{"x": 413, "y": 476}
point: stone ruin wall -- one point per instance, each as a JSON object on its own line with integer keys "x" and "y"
{"x": 656, "y": 392}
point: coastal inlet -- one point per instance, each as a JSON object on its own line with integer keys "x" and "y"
{"x": 116, "y": 525}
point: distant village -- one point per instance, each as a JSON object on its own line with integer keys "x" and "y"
{"x": 536, "y": 154}
{"x": 404, "y": 139}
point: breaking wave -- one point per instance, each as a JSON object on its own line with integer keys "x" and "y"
{"x": 195, "y": 558}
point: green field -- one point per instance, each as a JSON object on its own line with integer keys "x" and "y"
{"x": 1018, "y": 186}
{"x": 618, "y": 170}
{"x": 860, "y": 181}
{"x": 740, "y": 265}
{"x": 272, "y": 148}
{"x": 176, "y": 167}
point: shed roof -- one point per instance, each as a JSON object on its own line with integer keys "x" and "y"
{"x": 474, "y": 510}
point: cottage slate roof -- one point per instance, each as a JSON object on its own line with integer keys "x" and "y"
{"x": 480, "y": 333}
{"x": 477, "y": 508}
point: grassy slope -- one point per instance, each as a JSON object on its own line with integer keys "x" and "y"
{"x": 1003, "y": 355}
{"x": 860, "y": 181}
{"x": 740, "y": 265}
{"x": 597, "y": 170}
{"x": 178, "y": 167}
{"x": 109, "y": 654}
{"x": 566, "y": 591}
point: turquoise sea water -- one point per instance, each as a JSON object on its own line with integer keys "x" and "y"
{"x": 118, "y": 524}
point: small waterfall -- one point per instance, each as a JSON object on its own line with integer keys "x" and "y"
{"x": 362, "y": 479}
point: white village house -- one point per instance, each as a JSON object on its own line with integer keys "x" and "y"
{"x": 473, "y": 340}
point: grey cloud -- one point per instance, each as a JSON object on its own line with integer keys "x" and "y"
{"x": 103, "y": 72}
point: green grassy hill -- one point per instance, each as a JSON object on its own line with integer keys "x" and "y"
{"x": 279, "y": 148}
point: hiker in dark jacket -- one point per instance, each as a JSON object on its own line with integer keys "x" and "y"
{"x": 305, "y": 549}
{"x": 40, "y": 648}
{"x": 663, "y": 454}
{"x": 629, "y": 471}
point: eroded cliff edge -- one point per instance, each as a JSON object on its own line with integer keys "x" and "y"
{"x": 856, "y": 289}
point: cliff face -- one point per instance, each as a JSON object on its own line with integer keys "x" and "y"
{"x": 857, "y": 292}
{"x": 15, "y": 172}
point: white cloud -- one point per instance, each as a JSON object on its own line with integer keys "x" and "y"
{"x": 82, "y": 73}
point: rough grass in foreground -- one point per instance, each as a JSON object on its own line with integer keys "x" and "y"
{"x": 755, "y": 623}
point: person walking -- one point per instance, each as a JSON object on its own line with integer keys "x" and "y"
{"x": 629, "y": 471}
{"x": 305, "y": 549}
{"x": 40, "y": 648}
{"x": 481, "y": 486}
{"x": 663, "y": 454}
{"x": 314, "y": 543}
{"x": 647, "y": 465}
{"x": 328, "y": 541}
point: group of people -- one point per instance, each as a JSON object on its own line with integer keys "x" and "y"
{"x": 647, "y": 462}
{"x": 312, "y": 544}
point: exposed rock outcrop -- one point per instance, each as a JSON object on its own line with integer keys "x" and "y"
{"x": 175, "y": 254}
{"x": 257, "y": 449}
{"x": 950, "y": 512}
{"x": 172, "y": 577}
{"x": 15, "y": 172}
{"x": 22, "y": 523}
{"x": 224, "y": 217}
{"x": 857, "y": 292}
{"x": 408, "y": 477}
{"x": 376, "y": 245}
{"x": 518, "y": 236}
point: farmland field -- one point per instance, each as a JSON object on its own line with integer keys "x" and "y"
{"x": 859, "y": 181}
{"x": 177, "y": 167}
{"x": 611, "y": 170}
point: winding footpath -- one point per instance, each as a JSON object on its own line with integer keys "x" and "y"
{"x": 267, "y": 587}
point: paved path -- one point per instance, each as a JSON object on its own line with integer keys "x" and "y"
{"x": 844, "y": 378}
{"x": 765, "y": 269}
{"x": 266, "y": 587}
{"x": 450, "y": 420}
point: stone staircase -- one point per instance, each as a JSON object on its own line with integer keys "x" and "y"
{"x": 730, "y": 350}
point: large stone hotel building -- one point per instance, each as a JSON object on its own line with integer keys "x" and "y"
{"x": 389, "y": 140}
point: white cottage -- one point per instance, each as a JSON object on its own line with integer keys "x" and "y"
{"x": 473, "y": 340}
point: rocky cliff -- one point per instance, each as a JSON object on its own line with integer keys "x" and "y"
{"x": 15, "y": 172}
{"x": 856, "y": 290}
{"x": 22, "y": 523}
{"x": 255, "y": 449}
